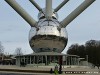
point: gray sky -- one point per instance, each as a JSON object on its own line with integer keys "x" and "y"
{"x": 14, "y": 31}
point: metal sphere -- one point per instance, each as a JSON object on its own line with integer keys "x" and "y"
{"x": 48, "y": 37}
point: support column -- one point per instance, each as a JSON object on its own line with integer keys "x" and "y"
{"x": 34, "y": 60}
{"x": 37, "y": 59}
{"x": 30, "y": 59}
{"x": 54, "y": 59}
{"x": 69, "y": 60}
{"x": 18, "y": 61}
{"x": 78, "y": 61}
{"x": 75, "y": 61}
{"x": 50, "y": 59}
{"x": 46, "y": 59}
{"x": 27, "y": 59}
{"x": 66, "y": 60}
{"x": 72, "y": 60}
{"x": 24, "y": 59}
{"x": 42, "y": 59}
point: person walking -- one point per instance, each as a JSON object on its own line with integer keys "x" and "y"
{"x": 56, "y": 70}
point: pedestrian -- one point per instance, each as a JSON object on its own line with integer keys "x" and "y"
{"x": 56, "y": 70}
{"x": 60, "y": 69}
{"x": 51, "y": 71}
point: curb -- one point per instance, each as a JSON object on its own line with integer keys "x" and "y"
{"x": 28, "y": 71}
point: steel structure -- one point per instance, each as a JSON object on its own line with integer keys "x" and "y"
{"x": 48, "y": 34}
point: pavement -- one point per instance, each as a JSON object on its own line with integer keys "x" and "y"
{"x": 42, "y": 70}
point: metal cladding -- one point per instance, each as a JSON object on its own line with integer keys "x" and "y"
{"x": 48, "y": 43}
{"x": 48, "y": 38}
{"x": 48, "y": 34}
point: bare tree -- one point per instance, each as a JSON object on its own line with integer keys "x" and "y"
{"x": 18, "y": 51}
{"x": 1, "y": 49}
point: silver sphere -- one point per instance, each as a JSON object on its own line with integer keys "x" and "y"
{"x": 48, "y": 37}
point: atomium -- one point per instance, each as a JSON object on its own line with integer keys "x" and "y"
{"x": 48, "y": 34}
{"x": 48, "y": 37}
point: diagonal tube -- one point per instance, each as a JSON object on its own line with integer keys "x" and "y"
{"x": 76, "y": 12}
{"x": 36, "y": 5}
{"x": 22, "y": 12}
{"x": 60, "y": 6}
{"x": 49, "y": 11}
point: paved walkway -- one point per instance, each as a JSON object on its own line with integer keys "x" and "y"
{"x": 35, "y": 70}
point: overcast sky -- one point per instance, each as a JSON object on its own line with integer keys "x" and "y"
{"x": 14, "y": 31}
